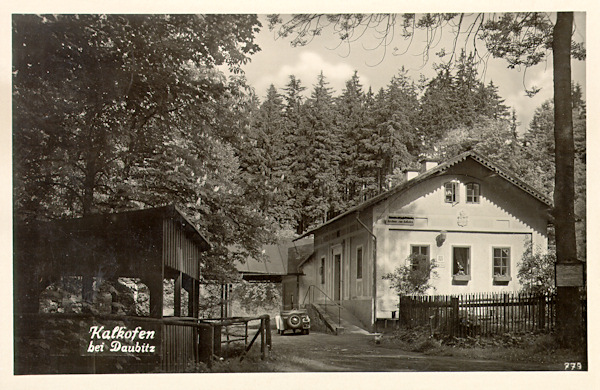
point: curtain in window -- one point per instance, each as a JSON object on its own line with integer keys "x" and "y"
{"x": 461, "y": 261}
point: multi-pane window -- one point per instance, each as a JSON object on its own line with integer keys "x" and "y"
{"x": 451, "y": 192}
{"x": 359, "y": 263}
{"x": 501, "y": 261}
{"x": 461, "y": 260}
{"x": 472, "y": 193}
{"x": 419, "y": 256}
{"x": 322, "y": 270}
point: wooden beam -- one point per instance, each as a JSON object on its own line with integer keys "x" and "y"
{"x": 177, "y": 296}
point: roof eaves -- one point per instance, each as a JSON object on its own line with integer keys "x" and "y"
{"x": 376, "y": 199}
{"x": 187, "y": 223}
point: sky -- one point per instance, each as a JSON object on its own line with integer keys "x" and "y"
{"x": 376, "y": 65}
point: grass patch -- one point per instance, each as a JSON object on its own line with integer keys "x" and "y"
{"x": 528, "y": 347}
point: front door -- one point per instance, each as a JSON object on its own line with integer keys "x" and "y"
{"x": 337, "y": 273}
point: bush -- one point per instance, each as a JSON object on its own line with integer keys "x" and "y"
{"x": 536, "y": 271}
{"x": 413, "y": 278}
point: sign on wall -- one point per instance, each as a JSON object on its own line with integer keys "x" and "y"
{"x": 400, "y": 220}
{"x": 569, "y": 274}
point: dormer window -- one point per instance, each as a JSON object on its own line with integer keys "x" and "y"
{"x": 472, "y": 193}
{"x": 451, "y": 192}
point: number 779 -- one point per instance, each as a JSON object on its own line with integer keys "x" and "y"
{"x": 573, "y": 366}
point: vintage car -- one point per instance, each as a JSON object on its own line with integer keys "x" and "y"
{"x": 296, "y": 319}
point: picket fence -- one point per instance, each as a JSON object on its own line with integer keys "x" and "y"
{"x": 480, "y": 314}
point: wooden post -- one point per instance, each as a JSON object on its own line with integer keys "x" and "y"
{"x": 155, "y": 285}
{"x": 222, "y": 301}
{"x": 541, "y": 312}
{"x": 262, "y": 339}
{"x": 217, "y": 330}
{"x": 177, "y": 296}
{"x": 505, "y": 312}
{"x": 268, "y": 330}
{"x": 455, "y": 317}
{"x": 193, "y": 298}
{"x": 206, "y": 344}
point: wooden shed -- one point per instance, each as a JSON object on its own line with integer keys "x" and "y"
{"x": 151, "y": 245}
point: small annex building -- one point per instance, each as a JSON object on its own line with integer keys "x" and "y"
{"x": 153, "y": 246}
{"x": 470, "y": 216}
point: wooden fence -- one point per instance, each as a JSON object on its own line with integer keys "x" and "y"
{"x": 479, "y": 314}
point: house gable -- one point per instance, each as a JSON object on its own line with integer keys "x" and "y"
{"x": 477, "y": 162}
{"x": 499, "y": 205}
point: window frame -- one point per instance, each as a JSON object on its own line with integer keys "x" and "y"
{"x": 476, "y": 197}
{"x": 466, "y": 276}
{"x": 359, "y": 265}
{"x": 421, "y": 246}
{"x": 501, "y": 277}
{"x": 455, "y": 192}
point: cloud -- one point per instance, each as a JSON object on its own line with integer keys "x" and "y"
{"x": 306, "y": 67}
{"x": 516, "y": 97}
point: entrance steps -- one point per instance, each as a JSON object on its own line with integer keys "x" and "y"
{"x": 338, "y": 319}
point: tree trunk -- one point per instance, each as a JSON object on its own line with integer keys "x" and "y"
{"x": 568, "y": 310}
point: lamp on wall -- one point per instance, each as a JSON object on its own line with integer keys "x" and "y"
{"x": 441, "y": 238}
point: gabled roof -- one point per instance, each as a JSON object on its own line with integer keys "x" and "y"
{"x": 438, "y": 170}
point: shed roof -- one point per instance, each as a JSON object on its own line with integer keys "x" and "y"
{"x": 279, "y": 260}
{"x": 125, "y": 244}
{"x": 108, "y": 221}
{"x": 438, "y": 170}
{"x": 274, "y": 263}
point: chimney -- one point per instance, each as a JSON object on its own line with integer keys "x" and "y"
{"x": 428, "y": 164}
{"x": 410, "y": 174}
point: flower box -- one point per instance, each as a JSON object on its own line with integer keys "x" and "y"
{"x": 461, "y": 278}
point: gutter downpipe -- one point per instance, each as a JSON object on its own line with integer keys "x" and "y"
{"x": 374, "y": 288}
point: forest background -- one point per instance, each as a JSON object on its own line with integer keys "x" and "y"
{"x": 120, "y": 112}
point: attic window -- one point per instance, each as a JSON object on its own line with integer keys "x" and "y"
{"x": 472, "y": 193}
{"x": 451, "y": 192}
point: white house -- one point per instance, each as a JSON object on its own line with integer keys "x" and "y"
{"x": 468, "y": 215}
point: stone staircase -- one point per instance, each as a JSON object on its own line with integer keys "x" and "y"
{"x": 328, "y": 314}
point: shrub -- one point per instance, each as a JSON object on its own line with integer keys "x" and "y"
{"x": 536, "y": 271}
{"x": 414, "y": 277}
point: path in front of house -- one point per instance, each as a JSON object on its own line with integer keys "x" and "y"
{"x": 321, "y": 352}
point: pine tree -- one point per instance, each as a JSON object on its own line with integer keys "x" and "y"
{"x": 352, "y": 116}
{"x": 323, "y": 155}
{"x": 295, "y": 149}
{"x": 396, "y": 137}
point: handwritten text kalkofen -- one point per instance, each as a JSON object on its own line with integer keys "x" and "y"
{"x": 120, "y": 339}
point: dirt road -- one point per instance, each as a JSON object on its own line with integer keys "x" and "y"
{"x": 320, "y": 352}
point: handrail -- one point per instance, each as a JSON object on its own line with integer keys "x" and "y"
{"x": 312, "y": 286}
